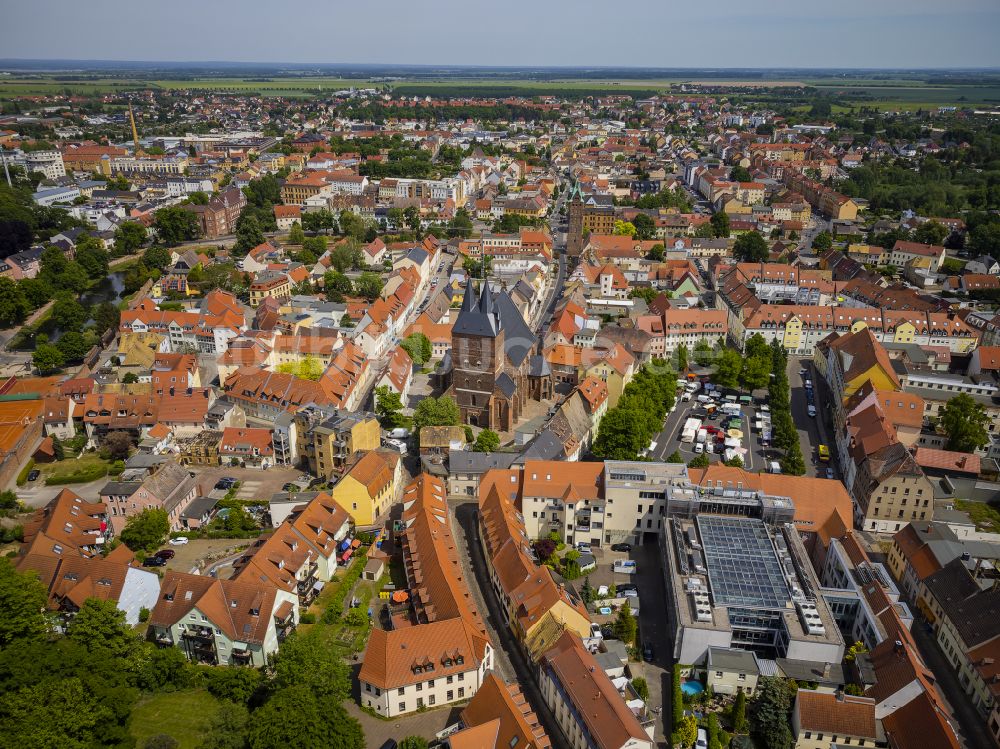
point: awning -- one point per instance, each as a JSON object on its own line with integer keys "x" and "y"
{"x": 318, "y": 585}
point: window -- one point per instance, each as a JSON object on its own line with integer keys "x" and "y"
{"x": 461, "y": 692}
{"x": 420, "y": 687}
{"x": 450, "y": 680}
{"x": 368, "y": 687}
{"x": 420, "y": 702}
{"x": 432, "y": 699}
{"x": 402, "y": 707}
{"x": 450, "y": 695}
{"x": 461, "y": 677}
{"x": 400, "y": 691}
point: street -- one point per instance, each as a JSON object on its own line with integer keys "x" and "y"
{"x": 509, "y": 659}
{"x": 811, "y": 429}
{"x": 654, "y": 630}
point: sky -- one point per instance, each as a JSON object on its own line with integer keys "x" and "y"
{"x": 637, "y": 33}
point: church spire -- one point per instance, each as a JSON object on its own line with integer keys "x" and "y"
{"x": 469, "y": 300}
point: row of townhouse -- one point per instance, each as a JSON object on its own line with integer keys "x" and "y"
{"x": 801, "y": 328}
{"x": 208, "y": 330}
{"x": 876, "y": 424}
{"x": 243, "y": 620}
{"x": 434, "y": 649}
{"x": 551, "y": 624}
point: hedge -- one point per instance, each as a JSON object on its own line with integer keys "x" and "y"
{"x": 22, "y": 477}
{"x": 335, "y": 608}
{"x": 80, "y": 476}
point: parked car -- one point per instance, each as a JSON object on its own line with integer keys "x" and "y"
{"x": 179, "y": 541}
{"x": 702, "y": 742}
{"x": 226, "y": 482}
{"x": 154, "y": 561}
{"x": 829, "y": 473}
{"x": 629, "y": 590}
{"x": 647, "y": 653}
{"x": 389, "y": 744}
{"x": 34, "y": 474}
{"x": 621, "y": 547}
{"x": 811, "y": 410}
{"x": 166, "y": 553}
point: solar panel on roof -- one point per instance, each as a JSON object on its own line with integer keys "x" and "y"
{"x": 743, "y": 569}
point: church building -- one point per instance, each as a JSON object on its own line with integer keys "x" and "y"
{"x": 493, "y": 367}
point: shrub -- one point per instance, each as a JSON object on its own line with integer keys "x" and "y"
{"x": 22, "y": 477}
{"x": 307, "y": 618}
{"x": 82, "y": 475}
{"x": 143, "y": 614}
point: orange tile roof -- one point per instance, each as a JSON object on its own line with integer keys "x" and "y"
{"x": 375, "y": 470}
{"x": 843, "y": 715}
{"x": 518, "y": 726}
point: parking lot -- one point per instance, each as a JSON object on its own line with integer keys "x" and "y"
{"x": 756, "y": 456}
{"x": 255, "y": 483}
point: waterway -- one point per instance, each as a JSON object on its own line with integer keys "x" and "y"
{"x": 110, "y": 289}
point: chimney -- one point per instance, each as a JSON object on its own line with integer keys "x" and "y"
{"x": 898, "y": 647}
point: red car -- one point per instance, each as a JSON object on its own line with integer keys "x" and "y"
{"x": 165, "y": 553}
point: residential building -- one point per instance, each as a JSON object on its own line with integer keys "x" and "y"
{"x": 826, "y": 721}
{"x": 448, "y": 653}
{"x": 368, "y": 488}
{"x": 499, "y": 716}
{"x": 222, "y": 622}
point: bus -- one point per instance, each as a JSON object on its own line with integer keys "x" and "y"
{"x": 824, "y": 453}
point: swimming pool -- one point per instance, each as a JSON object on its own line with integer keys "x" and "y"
{"x": 692, "y": 687}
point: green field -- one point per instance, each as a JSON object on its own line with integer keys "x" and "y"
{"x": 888, "y": 93}
{"x": 184, "y": 715}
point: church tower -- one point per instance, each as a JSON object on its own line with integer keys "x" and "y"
{"x": 477, "y": 355}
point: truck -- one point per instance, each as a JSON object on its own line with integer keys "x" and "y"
{"x": 701, "y": 435}
{"x": 690, "y": 430}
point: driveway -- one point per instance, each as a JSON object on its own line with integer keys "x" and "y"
{"x": 655, "y": 631}
{"x": 36, "y": 494}
{"x": 255, "y": 483}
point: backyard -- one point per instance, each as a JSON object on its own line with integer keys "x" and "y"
{"x": 184, "y": 715}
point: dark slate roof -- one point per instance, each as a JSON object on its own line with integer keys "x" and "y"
{"x": 120, "y": 488}
{"x": 417, "y": 255}
{"x": 200, "y": 506}
{"x": 538, "y": 366}
{"x": 546, "y": 446}
{"x": 974, "y": 612}
{"x": 466, "y": 461}
{"x": 472, "y": 320}
{"x": 518, "y": 338}
{"x": 506, "y": 385}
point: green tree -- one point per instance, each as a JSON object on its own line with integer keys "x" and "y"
{"x": 965, "y": 422}
{"x": 22, "y": 603}
{"x": 625, "y": 626}
{"x": 58, "y": 452}
{"x": 687, "y": 731}
{"x": 37, "y": 291}
{"x": 931, "y": 232}
{"x": 337, "y": 283}
{"x": 720, "y": 224}
{"x": 14, "y": 305}
{"x": 174, "y": 225}
{"x": 92, "y": 257}
{"x": 728, "y": 366}
{"x": 388, "y": 405}
{"x": 703, "y": 352}
{"x": 645, "y": 227}
{"x": 738, "y": 713}
{"x": 156, "y": 257}
{"x": 130, "y": 378}
{"x": 101, "y": 628}
{"x": 676, "y": 698}
{"x": 682, "y": 358}
{"x": 418, "y": 346}
{"x": 740, "y": 174}
{"x": 106, "y": 317}
{"x": 699, "y": 461}
{"x": 822, "y": 241}
{"x": 305, "y": 661}
{"x": 227, "y": 728}
{"x": 118, "y": 445}
{"x": 621, "y": 435}
{"x": 755, "y": 373}
{"x": 294, "y": 716}
{"x": 657, "y": 253}
{"x": 675, "y": 457}
{"x": 321, "y": 220}
{"x": 47, "y": 358}
{"x": 369, "y": 286}
{"x": 769, "y": 714}
{"x": 411, "y": 214}
{"x": 487, "y": 441}
{"x": 129, "y": 237}
{"x": 436, "y": 412}
{"x": 751, "y": 248}
{"x": 641, "y": 688}
{"x": 248, "y": 234}
{"x": 67, "y": 313}
{"x": 352, "y": 225}
{"x": 73, "y": 346}
{"x": 295, "y": 234}
{"x": 147, "y": 530}
{"x": 413, "y": 742}
{"x": 624, "y": 229}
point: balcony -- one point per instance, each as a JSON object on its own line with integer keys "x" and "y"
{"x": 200, "y": 633}
{"x": 164, "y": 640}
{"x": 242, "y": 656}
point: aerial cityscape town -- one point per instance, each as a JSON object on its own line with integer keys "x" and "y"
{"x": 551, "y": 409}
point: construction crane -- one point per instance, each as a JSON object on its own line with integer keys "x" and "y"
{"x": 135, "y": 132}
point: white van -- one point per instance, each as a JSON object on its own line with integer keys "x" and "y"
{"x": 699, "y": 448}
{"x": 624, "y": 566}
{"x": 774, "y": 467}
{"x": 704, "y": 398}
{"x": 702, "y": 742}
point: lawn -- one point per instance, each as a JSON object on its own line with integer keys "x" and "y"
{"x": 88, "y": 466}
{"x": 986, "y": 517}
{"x": 183, "y": 715}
